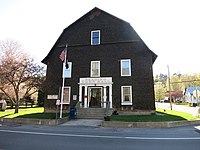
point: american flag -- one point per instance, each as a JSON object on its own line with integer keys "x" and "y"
{"x": 63, "y": 57}
{"x": 63, "y": 54}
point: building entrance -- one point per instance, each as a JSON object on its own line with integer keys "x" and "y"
{"x": 95, "y": 92}
{"x": 95, "y": 97}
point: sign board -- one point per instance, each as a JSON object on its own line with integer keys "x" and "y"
{"x": 52, "y": 96}
{"x": 103, "y": 80}
{"x": 74, "y": 97}
{"x": 57, "y": 102}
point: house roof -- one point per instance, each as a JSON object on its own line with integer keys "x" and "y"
{"x": 176, "y": 94}
{"x": 90, "y": 13}
{"x": 192, "y": 89}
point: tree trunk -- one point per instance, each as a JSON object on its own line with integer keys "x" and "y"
{"x": 16, "y": 108}
{"x": 17, "y": 104}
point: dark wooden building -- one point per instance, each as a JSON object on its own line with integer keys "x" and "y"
{"x": 108, "y": 62}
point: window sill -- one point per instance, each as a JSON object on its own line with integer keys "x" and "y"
{"x": 125, "y": 75}
{"x": 127, "y": 103}
{"x": 65, "y": 103}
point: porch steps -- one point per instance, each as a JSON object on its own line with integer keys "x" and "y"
{"x": 93, "y": 113}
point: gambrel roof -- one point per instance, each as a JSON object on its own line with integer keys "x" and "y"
{"x": 96, "y": 17}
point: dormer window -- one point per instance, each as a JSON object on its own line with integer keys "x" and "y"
{"x": 95, "y": 37}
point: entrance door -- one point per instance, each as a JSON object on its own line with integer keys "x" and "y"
{"x": 95, "y": 97}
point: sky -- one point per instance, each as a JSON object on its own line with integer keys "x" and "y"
{"x": 170, "y": 28}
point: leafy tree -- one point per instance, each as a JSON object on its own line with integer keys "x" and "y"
{"x": 18, "y": 72}
{"x": 161, "y": 78}
{"x": 160, "y": 91}
{"x": 41, "y": 97}
{"x": 178, "y": 83}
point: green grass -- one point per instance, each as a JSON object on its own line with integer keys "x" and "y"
{"x": 42, "y": 115}
{"x": 183, "y": 115}
{"x": 160, "y": 116}
{"x": 9, "y": 113}
{"x": 35, "y": 113}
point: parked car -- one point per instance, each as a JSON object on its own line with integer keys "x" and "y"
{"x": 179, "y": 101}
{"x": 164, "y": 101}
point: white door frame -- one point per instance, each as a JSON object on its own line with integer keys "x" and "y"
{"x": 95, "y": 83}
{"x": 89, "y": 94}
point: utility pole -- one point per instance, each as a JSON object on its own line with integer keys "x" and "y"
{"x": 170, "y": 97}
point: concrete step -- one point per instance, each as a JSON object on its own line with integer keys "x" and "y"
{"x": 92, "y": 110}
{"x": 92, "y": 113}
{"x": 90, "y": 116}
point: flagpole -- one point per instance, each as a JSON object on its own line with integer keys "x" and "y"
{"x": 170, "y": 96}
{"x": 63, "y": 85}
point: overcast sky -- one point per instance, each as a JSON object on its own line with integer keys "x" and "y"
{"x": 170, "y": 28}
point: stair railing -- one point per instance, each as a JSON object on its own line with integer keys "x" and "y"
{"x": 107, "y": 108}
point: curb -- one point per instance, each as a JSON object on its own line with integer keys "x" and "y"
{"x": 113, "y": 124}
{"x": 51, "y": 122}
{"x": 118, "y": 124}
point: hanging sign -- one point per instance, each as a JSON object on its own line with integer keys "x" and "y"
{"x": 57, "y": 102}
{"x": 52, "y": 96}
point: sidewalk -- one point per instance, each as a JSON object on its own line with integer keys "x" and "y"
{"x": 191, "y": 110}
{"x": 83, "y": 122}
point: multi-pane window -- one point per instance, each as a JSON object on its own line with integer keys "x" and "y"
{"x": 68, "y": 71}
{"x": 95, "y": 69}
{"x": 126, "y": 67}
{"x": 95, "y": 37}
{"x": 66, "y": 95}
{"x": 126, "y": 95}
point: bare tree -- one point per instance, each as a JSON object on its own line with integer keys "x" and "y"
{"x": 17, "y": 72}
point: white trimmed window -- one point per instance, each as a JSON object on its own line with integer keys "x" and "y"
{"x": 95, "y": 69}
{"x": 67, "y": 72}
{"x": 125, "y": 67}
{"x": 95, "y": 37}
{"x": 126, "y": 95}
{"x": 66, "y": 95}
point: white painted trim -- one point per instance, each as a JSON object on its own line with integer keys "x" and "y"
{"x": 122, "y": 96}
{"x": 92, "y": 37}
{"x": 110, "y": 95}
{"x": 99, "y": 67}
{"x": 95, "y": 82}
{"x": 101, "y": 81}
{"x": 104, "y": 96}
{"x": 85, "y": 97}
{"x": 69, "y": 94}
{"x": 89, "y": 94}
{"x": 129, "y": 61}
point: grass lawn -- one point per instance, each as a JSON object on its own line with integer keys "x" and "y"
{"x": 160, "y": 116}
{"x": 35, "y": 112}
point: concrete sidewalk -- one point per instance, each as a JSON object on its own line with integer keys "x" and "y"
{"x": 83, "y": 122}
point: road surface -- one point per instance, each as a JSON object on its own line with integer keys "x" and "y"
{"x": 32, "y": 137}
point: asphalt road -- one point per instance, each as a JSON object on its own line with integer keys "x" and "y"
{"x": 31, "y": 137}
